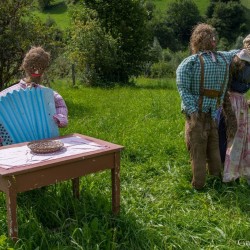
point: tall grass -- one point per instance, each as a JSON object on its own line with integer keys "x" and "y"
{"x": 159, "y": 209}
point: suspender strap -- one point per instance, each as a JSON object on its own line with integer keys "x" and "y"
{"x": 200, "y": 102}
{"x": 209, "y": 92}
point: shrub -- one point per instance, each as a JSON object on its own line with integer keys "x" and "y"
{"x": 162, "y": 69}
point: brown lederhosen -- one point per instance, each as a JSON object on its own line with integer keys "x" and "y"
{"x": 202, "y": 136}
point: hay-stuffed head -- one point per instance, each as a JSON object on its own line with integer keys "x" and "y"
{"x": 246, "y": 43}
{"x": 35, "y": 62}
{"x": 203, "y": 38}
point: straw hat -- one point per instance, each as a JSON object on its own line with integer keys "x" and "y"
{"x": 246, "y": 43}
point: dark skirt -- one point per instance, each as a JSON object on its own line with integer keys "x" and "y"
{"x": 222, "y": 136}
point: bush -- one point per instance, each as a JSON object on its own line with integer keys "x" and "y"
{"x": 167, "y": 66}
{"x": 162, "y": 69}
{"x": 43, "y": 4}
{"x": 113, "y": 47}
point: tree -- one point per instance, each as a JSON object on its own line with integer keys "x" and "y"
{"x": 126, "y": 22}
{"x": 91, "y": 48}
{"x": 44, "y": 4}
{"x": 181, "y": 17}
{"x": 228, "y": 18}
{"x": 19, "y": 30}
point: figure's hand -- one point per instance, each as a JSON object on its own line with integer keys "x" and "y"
{"x": 60, "y": 120}
{"x": 248, "y": 102}
{"x": 56, "y": 120}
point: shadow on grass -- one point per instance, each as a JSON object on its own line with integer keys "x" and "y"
{"x": 58, "y": 8}
{"x": 78, "y": 110}
{"x": 56, "y": 216}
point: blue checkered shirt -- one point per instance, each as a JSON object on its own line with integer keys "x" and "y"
{"x": 188, "y": 76}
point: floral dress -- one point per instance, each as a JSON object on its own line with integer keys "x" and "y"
{"x": 237, "y": 160}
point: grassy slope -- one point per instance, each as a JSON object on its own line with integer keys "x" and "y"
{"x": 159, "y": 210}
{"x": 59, "y": 11}
{"x": 202, "y": 5}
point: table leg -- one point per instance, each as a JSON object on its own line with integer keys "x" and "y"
{"x": 11, "y": 204}
{"x": 115, "y": 175}
{"x": 75, "y": 186}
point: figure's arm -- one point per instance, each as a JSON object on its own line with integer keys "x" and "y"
{"x": 230, "y": 117}
{"x": 184, "y": 79}
{"x": 61, "y": 116}
{"x": 229, "y": 54}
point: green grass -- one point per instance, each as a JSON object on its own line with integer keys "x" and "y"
{"x": 159, "y": 209}
{"x": 163, "y": 4}
{"x": 246, "y": 3}
{"x": 58, "y": 11}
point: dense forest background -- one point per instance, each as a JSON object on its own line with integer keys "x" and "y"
{"x": 108, "y": 42}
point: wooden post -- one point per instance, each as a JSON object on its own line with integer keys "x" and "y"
{"x": 115, "y": 175}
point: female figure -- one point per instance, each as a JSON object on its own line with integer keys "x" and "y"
{"x": 237, "y": 159}
{"x": 35, "y": 62}
{"x": 202, "y": 82}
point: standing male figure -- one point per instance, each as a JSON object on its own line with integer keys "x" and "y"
{"x": 202, "y": 82}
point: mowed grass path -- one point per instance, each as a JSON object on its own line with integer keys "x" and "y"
{"x": 159, "y": 209}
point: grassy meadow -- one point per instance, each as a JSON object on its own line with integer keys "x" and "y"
{"x": 159, "y": 209}
{"x": 59, "y": 10}
{"x": 163, "y": 4}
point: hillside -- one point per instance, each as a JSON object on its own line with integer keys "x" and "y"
{"x": 59, "y": 11}
{"x": 202, "y": 5}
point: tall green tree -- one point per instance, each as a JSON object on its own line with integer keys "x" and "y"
{"x": 44, "y": 4}
{"x": 181, "y": 16}
{"x": 19, "y": 30}
{"x": 91, "y": 48}
{"x": 228, "y": 18}
{"x": 126, "y": 22}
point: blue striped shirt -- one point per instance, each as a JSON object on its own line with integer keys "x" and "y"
{"x": 188, "y": 76}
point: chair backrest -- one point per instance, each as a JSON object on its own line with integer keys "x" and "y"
{"x": 27, "y": 115}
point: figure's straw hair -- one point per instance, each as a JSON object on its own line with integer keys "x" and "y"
{"x": 246, "y": 43}
{"x": 202, "y": 37}
{"x": 36, "y": 55}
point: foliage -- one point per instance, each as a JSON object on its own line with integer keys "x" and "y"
{"x": 126, "y": 23}
{"x": 159, "y": 209}
{"x": 181, "y": 16}
{"x": 167, "y": 64}
{"x": 44, "y": 4}
{"x": 93, "y": 49}
{"x": 228, "y": 18}
{"x": 17, "y": 36}
{"x": 173, "y": 27}
{"x": 163, "y": 32}
{"x": 238, "y": 43}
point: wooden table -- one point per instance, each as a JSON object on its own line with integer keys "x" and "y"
{"x": 22, "y": 178}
